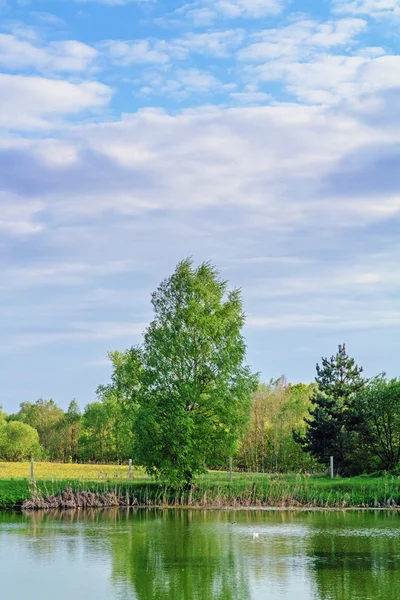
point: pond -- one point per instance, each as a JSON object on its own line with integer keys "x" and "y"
{"x": 200, "y": 555}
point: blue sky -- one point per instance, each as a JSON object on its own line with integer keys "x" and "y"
{"x": 262, "y": 135}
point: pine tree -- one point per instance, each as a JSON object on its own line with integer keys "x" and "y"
{"x": 329, "y": 433}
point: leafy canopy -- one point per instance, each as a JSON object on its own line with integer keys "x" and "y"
{"x": 19, "y": 441}
{"x": 195, "y": 392}
{"x": 376, "y": 419}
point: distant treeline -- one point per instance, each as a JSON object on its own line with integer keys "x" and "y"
{"x": 363, "y": 435}
{"x": 44, "y": 431}
{"x": 185, "y": 400}
{"x": 103, "y": 432}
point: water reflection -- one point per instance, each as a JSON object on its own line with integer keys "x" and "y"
{"x": 200, "y": 555}
{"x": 357, "y": 558}
{"x": 178, "y": 555}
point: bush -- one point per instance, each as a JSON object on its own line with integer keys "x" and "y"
{"x": 19, "y": 441}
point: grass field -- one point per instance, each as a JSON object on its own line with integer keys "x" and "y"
{"x": 212, "y": 489}
{"x": 60, "y": 471}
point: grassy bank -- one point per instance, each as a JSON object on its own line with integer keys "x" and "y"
{"x": 211, "y": 490}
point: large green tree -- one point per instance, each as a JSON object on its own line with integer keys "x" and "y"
{"x": 195, "y": 392}
{"x": 376, "y": 418}
{"x": 329, "y": 432}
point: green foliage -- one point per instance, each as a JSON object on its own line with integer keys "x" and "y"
{"x": 195, "y": 391}
{"x": 107, "y": 426}
{"x": 19, "y": 441}
{"x": 339, "y": 377}
{"x": 268, "y": 445}
{"x": 126, "y": 376}
{"x": 376, "y": 418}
{"x": 58, "y": 431}
{"x": 47, "y": 418}
{"x": 3, "y": 417}
{"x": 97, "y": 442}
{"x": 329, "y": 433}
{"x": 70, "y": 429}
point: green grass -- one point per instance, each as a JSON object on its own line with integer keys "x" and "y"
{"x": 214, "y": 489}
{"x": 13, "y": 493}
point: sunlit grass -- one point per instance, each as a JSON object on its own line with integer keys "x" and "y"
{"x": 60, "y": 471}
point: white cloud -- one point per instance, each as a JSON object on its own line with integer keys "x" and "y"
{"x": 325, "y": 79}
{"x": 30, "y": 102}
{"x": 77, "y": 332}
{"x": 370, "y": 51}
{"x": 116, "y": 2}
{"x": 362, "y": 296}
{"x": 54, "y": 274}
{"x": 19, "y": 216}
{"x": 374, "y": 8}
{"x": 216, "y": 43}
{"x": 365, "y": 319}
{"x": 300, "y": 55}
{"x": 206, "y": 12}
{"x": 195, "y": 79}
{"x": 257, "y": 159}
{"x": 19, "y": 227}
{"x": 129, "y": 52}
{"x": 138, "y": 51}
{"x": 380, "y": 73}
{"x": 301, "y": 39}
{"x": 303, "y": 191}
{"x": 181, "y": 82}
{"x": 253, "y": 98}
{"x": 329, "y": 79}
{"x": 17, "y": 53}
{"x": 247, "y": 8}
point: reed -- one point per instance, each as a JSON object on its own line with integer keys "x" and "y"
{"x": 282, "y": 491}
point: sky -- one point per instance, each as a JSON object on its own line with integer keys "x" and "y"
{"x": 260, "y": 135}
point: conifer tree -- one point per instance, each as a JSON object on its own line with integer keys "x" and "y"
{"x": 329, "y": 433}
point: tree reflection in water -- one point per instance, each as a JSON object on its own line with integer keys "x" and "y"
{"x": 202, "y": 555}
{"x": 357, "y": 557}
{"x": 179, "y": 555}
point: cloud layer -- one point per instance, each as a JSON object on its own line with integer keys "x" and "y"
{"x": 257, "y": 135}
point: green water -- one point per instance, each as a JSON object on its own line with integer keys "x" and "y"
{"x": 200, "y": 555}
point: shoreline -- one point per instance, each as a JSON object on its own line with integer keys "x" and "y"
{"x": 267, "y": 495}
{"x": 210, "y": 508}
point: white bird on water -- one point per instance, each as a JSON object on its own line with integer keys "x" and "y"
{"x": 255, "y": 535}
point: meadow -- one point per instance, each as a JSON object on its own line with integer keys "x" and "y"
{"x": 54, "y": 471}
{"x": 67, "y": 485}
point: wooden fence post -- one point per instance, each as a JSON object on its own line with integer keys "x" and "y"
{"x": 331, "y": 466}
{"x": 230, "y": 469}
{"x": 32, "y": 471}
{"x": 130, "y": 469}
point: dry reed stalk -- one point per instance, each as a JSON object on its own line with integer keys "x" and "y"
{"x": 69, "y": 499}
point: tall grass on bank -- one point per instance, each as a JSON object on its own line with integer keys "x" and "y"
{"x": 259, "y": 491}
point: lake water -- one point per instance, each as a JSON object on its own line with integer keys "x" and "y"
{"x": 199, "y": 555}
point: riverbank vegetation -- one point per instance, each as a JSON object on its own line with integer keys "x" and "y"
{"x": 212, "y": 490}
{"x": 185, "y": 401}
